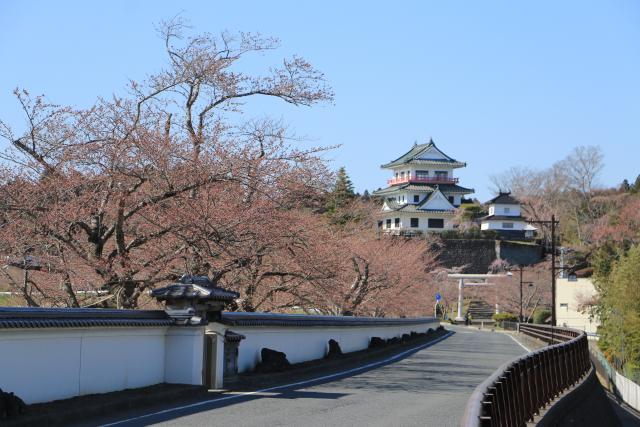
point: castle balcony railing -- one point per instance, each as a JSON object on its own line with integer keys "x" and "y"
{"x": 423, "y": 180}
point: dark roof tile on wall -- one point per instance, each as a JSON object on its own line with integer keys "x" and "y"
{"x": 36, "y": 317}
{"x": 273, "y": 319}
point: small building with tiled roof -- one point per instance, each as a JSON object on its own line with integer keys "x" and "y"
{"x": 505, "y": 217}
{"x": 423, "y": 194}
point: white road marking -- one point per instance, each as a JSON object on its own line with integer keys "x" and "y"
{"x": 250, "y": 393}
{"x": 519, "y": 343}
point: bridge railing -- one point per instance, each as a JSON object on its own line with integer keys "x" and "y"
{"x": 518, "y": 390}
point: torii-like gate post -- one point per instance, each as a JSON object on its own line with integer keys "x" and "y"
{"x": 461, "y": 285}
{"x": 459, "y": 318}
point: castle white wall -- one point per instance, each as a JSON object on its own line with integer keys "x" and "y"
{"x": 423, "y": 221}
{"x": 498, "y": 225}
{"x": 409, "y": 197}
{"x": 309, "y": 343}
{"x": 407, "y": 169}
{"x": 508, "y": 210}
{"x": 41, "y": 365}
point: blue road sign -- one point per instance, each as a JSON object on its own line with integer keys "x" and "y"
{"x": 438, "y": 296}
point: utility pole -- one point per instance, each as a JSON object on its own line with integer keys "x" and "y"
{"x": 520, "y": 318}
{"x": 553, "y": 270}
{"x": 553, "y": 222}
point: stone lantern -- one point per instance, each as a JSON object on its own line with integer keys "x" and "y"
{"x": 194, "y": 300}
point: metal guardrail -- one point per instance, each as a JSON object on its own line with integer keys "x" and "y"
{"x": 518, "y": 390}
{"x": 509, "y": 326}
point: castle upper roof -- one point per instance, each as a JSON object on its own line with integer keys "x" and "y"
{"x": 425, "y": 154}
{"x": 504, "y": 198}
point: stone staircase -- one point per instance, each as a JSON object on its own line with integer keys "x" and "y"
{"x": 480, "y": 311}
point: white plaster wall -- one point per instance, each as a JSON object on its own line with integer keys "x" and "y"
{"x": 413, "y": 169}
{"x": 497, "y": 225}
{"x": 498, "y": 209}
{"x": 29, "y": 357}
{"x": 41, "y": 365}
{"x": 405, "y": 221}
{"x": 116, "y": 360}
{"x": 184, "y": 351}
{"x": 437, "y": 201}
{"x": 309, "y": 343}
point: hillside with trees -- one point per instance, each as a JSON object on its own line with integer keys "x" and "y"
{"x": 601, "y": 228}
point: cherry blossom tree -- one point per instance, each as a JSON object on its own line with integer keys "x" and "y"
{"x": 101, "y": 196}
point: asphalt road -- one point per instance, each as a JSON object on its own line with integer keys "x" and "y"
{"x": 428, "y": 388}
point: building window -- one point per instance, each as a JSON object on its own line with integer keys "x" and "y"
{"x": 450, "y": 199}
{"x": 436, "y": 223}
{"x": 441, "y": 174}
{"x": 507, "y": 210}
{"x": 415, "y": 222}
{"x": 397, "y": 222}
{"x": 507, "y": 225}
{"x": 422, "y": 174}
{"x": 389, "y": 223}
{"x": 416, "y": 198}
{"x": 564, "y": 305}
{"x": 380, "y": 224}
{"x": 402, "y": 175}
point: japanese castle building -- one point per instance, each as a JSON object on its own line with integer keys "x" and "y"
{"x": 423, "y": 194}
{"x": 505, "y": 217}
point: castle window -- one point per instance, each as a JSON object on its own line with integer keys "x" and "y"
{"x": 397, "y": 222}
{"x": 507, "y": 225}
{"x": 441, "y": 174}
{"x": 507, "y": 210}
{"x": 415, "y": 222}
{"x": 416, "y": 198}
{"x": 389, "y": 223}
{"x": 435, "y": 223}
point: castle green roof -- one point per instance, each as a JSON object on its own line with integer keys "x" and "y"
{"x": 427, "y": 188}
{"x": 425, "y": 154}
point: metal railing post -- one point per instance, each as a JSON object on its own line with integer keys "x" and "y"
{"x": 519, "y": 390}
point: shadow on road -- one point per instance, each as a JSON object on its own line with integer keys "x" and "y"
{"x": 289, "y": 391}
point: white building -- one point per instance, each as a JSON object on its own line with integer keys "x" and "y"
{"x": 574, "y": 296}
{"x": 423, "y": 194}
{"x": 505, "y": 217}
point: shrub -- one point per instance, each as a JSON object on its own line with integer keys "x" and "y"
{"x": 505, "y": 317}
{"x": 541, "y": 316}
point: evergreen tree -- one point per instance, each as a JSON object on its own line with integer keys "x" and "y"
{"x": 635, "y": 188}
{"x": 343, "y": 187}
{"x": 342, "y": 191}
{"x": 339, "y": 198}
{"x": 625, "y": 186}
{"x": 366, "y": 196}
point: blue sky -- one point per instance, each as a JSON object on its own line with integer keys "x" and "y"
{"x": 495, "y": 83}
